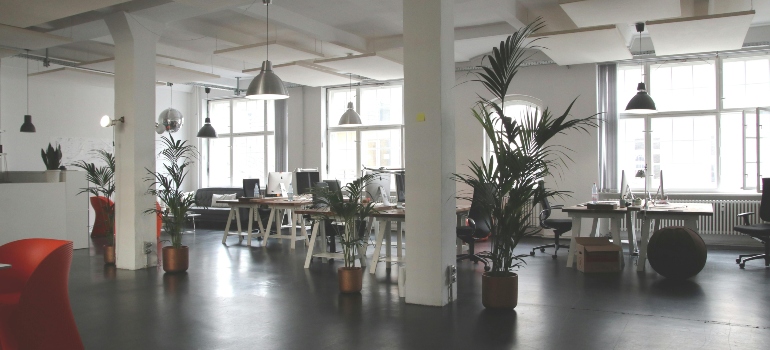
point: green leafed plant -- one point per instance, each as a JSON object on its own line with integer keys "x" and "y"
{"x": 351, "y": 211}
{"x": 51, "y": 157}
{"x": 102, "y": 183}
{"x": 177, "y": 156}
{"x": 522, "y": 151}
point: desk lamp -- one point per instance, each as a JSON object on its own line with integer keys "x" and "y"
{"x": 642, "y": 173}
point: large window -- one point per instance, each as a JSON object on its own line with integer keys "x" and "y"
{"x": 377, "y": 142}
{"x": 515, "y": 107}
{"x": 703, "y": 138}
{"x": 245, "y": 147}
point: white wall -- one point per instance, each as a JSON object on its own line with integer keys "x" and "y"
{"x": 66, "y": 108}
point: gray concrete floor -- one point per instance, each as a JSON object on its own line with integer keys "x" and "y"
{"x": 235, "y": 297}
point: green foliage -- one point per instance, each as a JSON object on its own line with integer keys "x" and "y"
{"x": 102, "y": 183}
{"x": 177, "y": 156}
{"x": 351, "y": 211}
{"x": 51, "y": 157}
{"x": 522, "y": 153}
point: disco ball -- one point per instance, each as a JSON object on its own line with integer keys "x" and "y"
{"x": 169, "y": 120}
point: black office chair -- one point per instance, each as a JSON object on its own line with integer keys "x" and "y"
{"x": 334, "y": 185}
{"x": 328, "y": 225}
{"x": 559, "y": 226}
{"x": 478, "y": 228}
{"x": 248, "y": 191}
{"x": 760, "y": 232}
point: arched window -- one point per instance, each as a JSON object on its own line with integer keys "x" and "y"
{"x": 515, "y": 107}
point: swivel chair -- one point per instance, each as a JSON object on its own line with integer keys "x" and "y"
{"x": 559, "y": 226}
{"x": 478, "y": 228}
{"x": 760, "y": 232}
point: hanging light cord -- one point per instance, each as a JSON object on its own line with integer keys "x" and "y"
{"x": 640, "y": 51}
{"x": 27, "y": 82}
{"x": 267, "y": 32}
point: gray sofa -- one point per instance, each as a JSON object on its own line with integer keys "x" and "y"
{"x": 215, "y": 215}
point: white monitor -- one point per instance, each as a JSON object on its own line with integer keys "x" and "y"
{"x": 378, "y": 189}
{"x": 623, "y": 185}
{"x": 274, "y": 182}
{"x": 660, "y": 194}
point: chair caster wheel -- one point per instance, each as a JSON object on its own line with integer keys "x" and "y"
{"x": 486, "y": 268}
{"x": 742, "y": 265}
{"x": 553, "y": 257}
{"x": 542, "y": 250}
{"x": 532, "y": 253}
{"x": 738, "y": 261}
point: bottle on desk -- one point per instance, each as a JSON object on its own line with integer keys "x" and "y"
{"x": 256, "y": 191}
{"x": 290, "y": 193}
{"x": 594, "y": 194}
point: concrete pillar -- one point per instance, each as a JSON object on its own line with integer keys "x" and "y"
{"x": 134, "y": 139}
{"x": 430, "y": 149}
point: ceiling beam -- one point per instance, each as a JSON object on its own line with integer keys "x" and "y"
{"x": 302, "y": 24}
{"x": 463, "y": 33}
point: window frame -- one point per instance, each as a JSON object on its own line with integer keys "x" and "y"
{"x": 527, "y": 100}
{"x": 268, "y": 113}
{"x": 718, "y": 112}
{"x": 359, "y": 129}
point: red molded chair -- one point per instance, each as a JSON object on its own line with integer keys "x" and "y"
{"x": 159, "y": 220}
{"x": 35, "y": 308}
{"x": 99, "y": 204}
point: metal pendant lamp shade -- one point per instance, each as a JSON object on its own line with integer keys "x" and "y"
{"x": 641, "y": 103}
{"x": 267, "y": 85}
{"x": 27, "y": 126}
{"x": 207, "y": 131}
{"x": 350, "y": 117}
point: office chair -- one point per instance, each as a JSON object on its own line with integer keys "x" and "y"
{"x": 478, "y": 228}
{"x": 760, "y": 232}
{"x": 248, "y": 187}
{"x": 559, "y": 226}
{"x": 328, "y": 225}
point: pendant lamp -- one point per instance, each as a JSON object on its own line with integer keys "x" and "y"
{"x": 267, "y": 85}
{"x": 641, "y": 103}
{"x": 207, "y": 131}
{"x": 350, "y": 117}
{"x": 170, "y": 119}
{"x": 27, "y": 126}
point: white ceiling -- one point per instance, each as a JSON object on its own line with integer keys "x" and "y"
{"x": 222, "y": 38}
{"x": 702, "y": 34}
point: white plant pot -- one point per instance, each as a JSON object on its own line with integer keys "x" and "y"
{"x": 52, "y": 175}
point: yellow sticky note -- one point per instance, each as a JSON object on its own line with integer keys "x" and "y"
{"x": 420, "y": 117}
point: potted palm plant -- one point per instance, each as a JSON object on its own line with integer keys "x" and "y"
{"x": 352, "y": 213}
{"x": 177, "y": 156}
{"x": 522, "y": 156}
{"x": 102, "y": 183}
{"x": 52, "y": 160}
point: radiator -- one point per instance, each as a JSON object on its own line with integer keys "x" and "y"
{"x": 721, "y": 223}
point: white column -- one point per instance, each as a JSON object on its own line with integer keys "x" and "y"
{"x": 134, "y": 139}
{"x": 430, "y": 149}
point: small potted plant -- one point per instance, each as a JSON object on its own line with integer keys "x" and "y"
{"x": 352, "y": 212}
{"x": 102, "y": 183}
{"x": 177, "y": 157}
{"x": 522, "y": 156}
{"x": 52, "y": 160}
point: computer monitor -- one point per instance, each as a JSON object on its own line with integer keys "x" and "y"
{"x": 305, "y": 180}
{"x": 660, "y": 194}
{"x": 401, "y": 187}
{"x": 334, "y": 185}
{"x": 378, "y": 189}
{"x": 276, "y": 180}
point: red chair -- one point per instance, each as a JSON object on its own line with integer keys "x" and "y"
{"x": 35, "y": 308}
{"x": 99, "y": 204}
{"x": 159, "y": 220}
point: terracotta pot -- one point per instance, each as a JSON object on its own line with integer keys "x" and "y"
{"x": 350, "y": 279}
{"x": 109, "y": 254}
{"x": 499, "y": 290}
{"x": 176, "y": 259}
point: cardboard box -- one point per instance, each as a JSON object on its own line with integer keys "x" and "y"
{"x": 597, "y": 254}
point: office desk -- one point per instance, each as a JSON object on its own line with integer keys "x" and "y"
{"x": 687, "y": 212}
{"x": 277, "y": 206}
{"x": 4, "y": 266}
{"x": 386, "y": 218}
{"x": 577, "y": 213}
{"x": 319, "y": 232}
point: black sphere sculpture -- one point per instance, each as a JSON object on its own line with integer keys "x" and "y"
{"x": 676, "y": 252}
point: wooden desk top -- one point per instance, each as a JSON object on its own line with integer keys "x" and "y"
{"x": 5, "y": 266}
{"x": 664, "y": 209}
{"x": 382, "y": 212}
{"x": 269, "y": 200}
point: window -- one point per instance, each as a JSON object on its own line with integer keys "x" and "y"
{"x": 377, "y": 142}
{"x": 245, "y": 147}
{"x": 701, "y": 140}
{"x": 515, "y": 107}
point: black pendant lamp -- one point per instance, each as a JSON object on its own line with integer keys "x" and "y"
{"x": 207, "y": 131}
{"x": 27, "y": 126}
{"x": 641, "y": 103}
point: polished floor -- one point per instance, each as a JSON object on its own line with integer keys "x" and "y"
{"x": 235, "y": 297}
